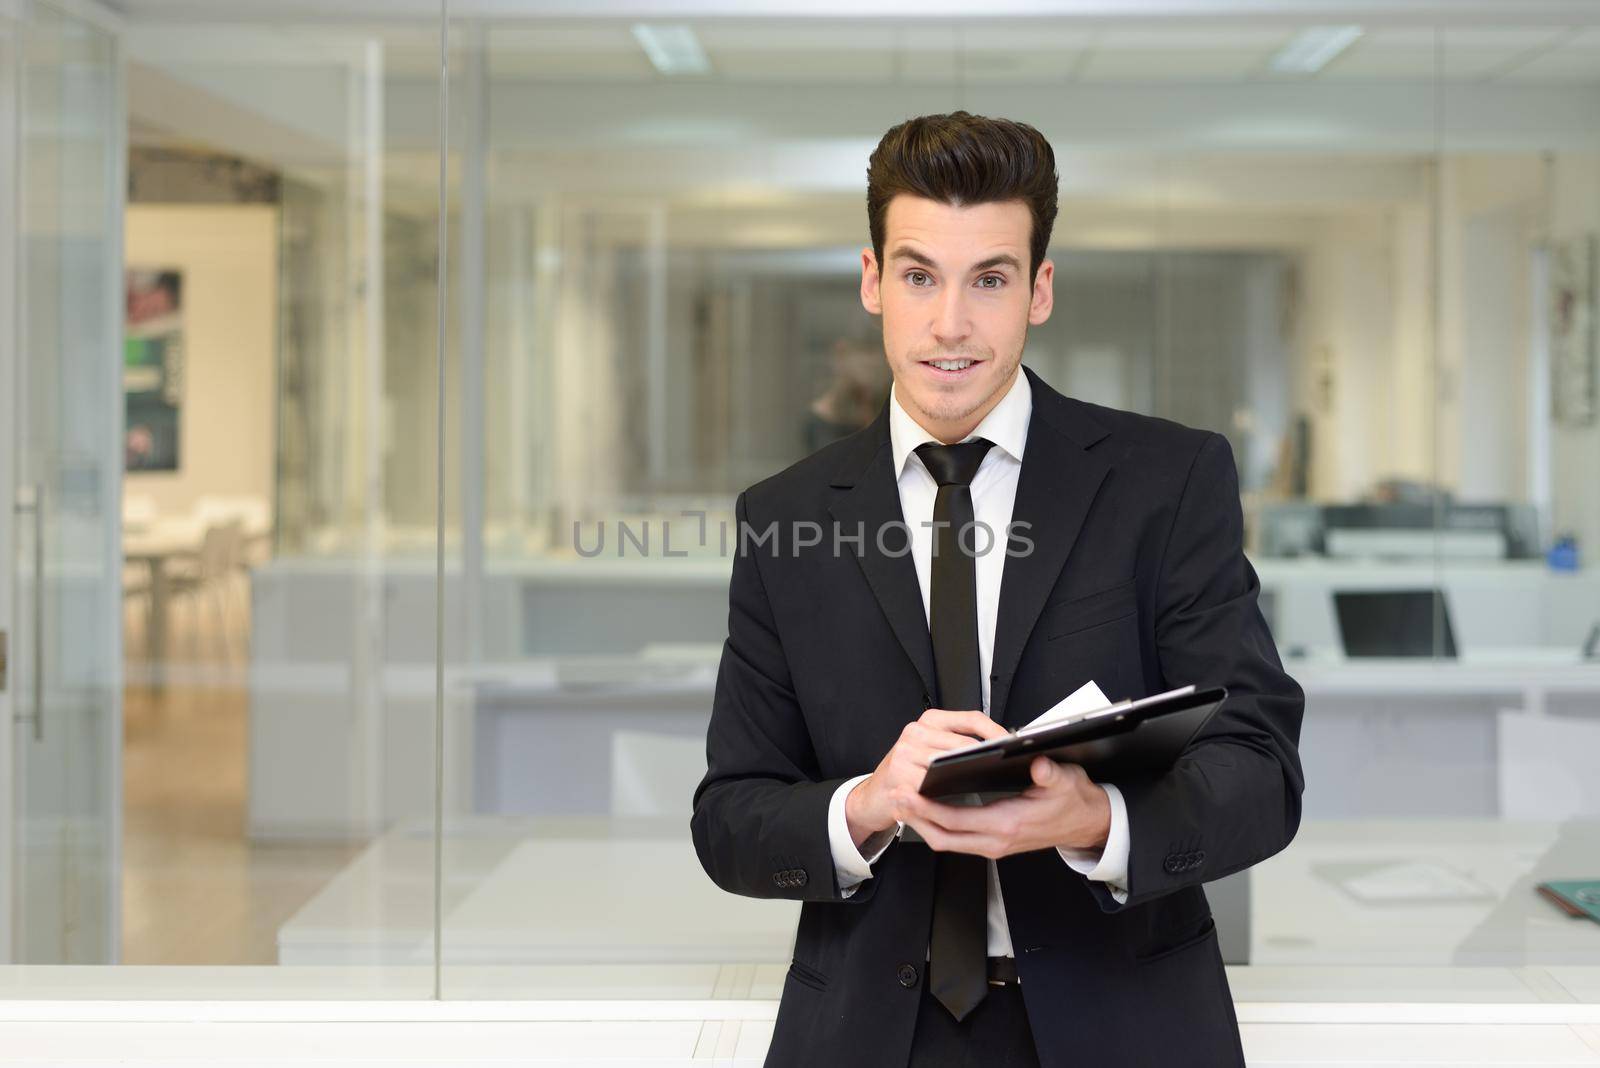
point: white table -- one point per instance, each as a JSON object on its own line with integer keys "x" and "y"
{"x": 155, "y": 546}
{"x": 537, "y": 891}
{"x": 1311, "y": 907}
{"x": 510, "y": 899}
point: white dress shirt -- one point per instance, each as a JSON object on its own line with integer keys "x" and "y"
{"x": 994, "y": 492}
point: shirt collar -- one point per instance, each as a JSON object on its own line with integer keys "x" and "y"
{"x": 1006, "y": 424}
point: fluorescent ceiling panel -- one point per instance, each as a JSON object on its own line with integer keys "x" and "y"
{"x": 672, "y": 47}
{"x": 1312, "y": 48}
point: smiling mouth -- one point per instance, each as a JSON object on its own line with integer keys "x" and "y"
{"x": 951, "y": 368}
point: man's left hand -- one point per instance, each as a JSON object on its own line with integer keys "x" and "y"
{"x": 1063, "y": 807}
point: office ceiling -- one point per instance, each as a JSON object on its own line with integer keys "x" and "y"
{"x": 994, "y": 52}
{"x": 1050, "y": 53}
{"x": 1457, "y": 12}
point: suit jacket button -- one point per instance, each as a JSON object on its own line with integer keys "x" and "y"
{"x": 1199, "y": 858}
{"x": 800, "y": 877}
{"x": 907, "y": 976}
{"x": 1171, "y": 865}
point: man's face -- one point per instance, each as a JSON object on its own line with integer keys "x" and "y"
{"x": 955, "y": 299}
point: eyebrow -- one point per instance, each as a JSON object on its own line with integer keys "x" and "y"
{"x": 1004, "y": 259}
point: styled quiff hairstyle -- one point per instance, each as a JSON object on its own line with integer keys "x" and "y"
{"x": 961, "y": 159}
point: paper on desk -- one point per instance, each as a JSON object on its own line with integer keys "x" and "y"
{"x": 1076, "y": 705}
{"x": 1414, "y": 880}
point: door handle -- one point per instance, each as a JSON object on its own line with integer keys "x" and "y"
{"x": 35, "y": 506}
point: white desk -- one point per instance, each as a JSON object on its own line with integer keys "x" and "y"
{"x": 1421, "y": 738}
{"x": 537, "y": 892}
{"x": 1307, "y": 908}
{"x": 509, "y": 899}
{"x": 154, "y": 546}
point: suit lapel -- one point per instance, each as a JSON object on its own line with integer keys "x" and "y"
{"x": 868, "y": 501}
{"x": 1058, "y": 482}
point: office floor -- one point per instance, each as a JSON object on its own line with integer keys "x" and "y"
{"x": 194, "y": 889}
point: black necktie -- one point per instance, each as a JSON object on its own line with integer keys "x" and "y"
{"x": 957, "y": 969}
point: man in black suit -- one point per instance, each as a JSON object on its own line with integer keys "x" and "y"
{"x": 984, "y": 548}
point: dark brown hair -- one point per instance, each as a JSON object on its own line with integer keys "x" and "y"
{"x": 962, "y": 159}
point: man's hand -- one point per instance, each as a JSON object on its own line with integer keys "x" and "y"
{"x": 1062, "y": 808}
{"x": 883, "y": 799}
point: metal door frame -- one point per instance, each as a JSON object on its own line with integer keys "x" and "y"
{"x": 10, "y": 330}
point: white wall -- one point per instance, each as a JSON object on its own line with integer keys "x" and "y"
{"x": 1575, "y": 451}
{"x": 229, "y": 258}
{"x": 1489, "y": 210}
{"x": 1347, "y": 353}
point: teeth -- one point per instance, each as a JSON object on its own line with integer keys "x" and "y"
{"x": 951, "y": 365}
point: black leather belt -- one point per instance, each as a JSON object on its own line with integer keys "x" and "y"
{"x": 1003, "y": 971}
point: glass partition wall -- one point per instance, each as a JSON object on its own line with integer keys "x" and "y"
{"x": 1334, "y": 244}
{"x": 1364, "y": 252}
{"x": 226, "y": 274}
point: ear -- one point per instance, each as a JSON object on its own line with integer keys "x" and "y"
{"x": 871, "y": 294}
{"x": 1044, "y": 293}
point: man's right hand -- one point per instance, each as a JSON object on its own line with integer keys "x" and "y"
{"x": 878, "y": 801}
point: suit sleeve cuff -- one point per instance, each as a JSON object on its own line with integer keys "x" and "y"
{"x": 850, "y": 866}
{"x": 1109, "y": 865}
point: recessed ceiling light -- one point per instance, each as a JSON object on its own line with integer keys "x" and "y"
{"x": 672, "y": 47}
{"x": 1313, "y": 47}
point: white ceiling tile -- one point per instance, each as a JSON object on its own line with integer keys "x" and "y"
{"x": 1562, "y": 65}
{"x": 1200, "y": 39}
{"x": 1585, "y": 39}
{"x": 1166, "y": 65}
{"x": 1018, "y": 67}
{"x": 1026, "y": 37}
{"x": 767, "y": 35}
{"x": 803, "y": 64}
{"x": 1502, "y": 38}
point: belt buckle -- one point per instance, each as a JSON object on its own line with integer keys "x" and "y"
{"x": 1012, "y": 980}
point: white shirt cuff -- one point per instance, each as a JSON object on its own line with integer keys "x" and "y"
{"x": 1109, "y": 865}
{"x": 851, "y": 866}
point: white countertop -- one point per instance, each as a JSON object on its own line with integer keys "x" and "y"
{"x": 735, "y": 1032}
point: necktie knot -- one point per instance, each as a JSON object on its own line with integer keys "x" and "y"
{"x": 954, "y": 465}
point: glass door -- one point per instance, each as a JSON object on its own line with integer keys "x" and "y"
{"x": 62, "y": 594}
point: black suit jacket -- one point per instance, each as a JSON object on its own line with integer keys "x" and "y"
{"x": 1136, "y": 579}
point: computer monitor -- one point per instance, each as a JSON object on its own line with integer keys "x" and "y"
{"x": 1394, "y": 622}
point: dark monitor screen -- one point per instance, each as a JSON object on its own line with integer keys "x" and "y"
{"x": 1393, "y": 622}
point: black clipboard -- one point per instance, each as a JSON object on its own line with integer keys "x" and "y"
{"x": 1129, "y": 738}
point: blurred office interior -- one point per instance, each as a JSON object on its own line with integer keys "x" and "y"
{"x": 1362, "y": 245}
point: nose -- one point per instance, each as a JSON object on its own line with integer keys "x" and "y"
{"x": 951, "y": 323}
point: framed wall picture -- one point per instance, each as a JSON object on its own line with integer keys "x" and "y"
{"x": 152, "y": 369}
{"x": 1574, "y": 373}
